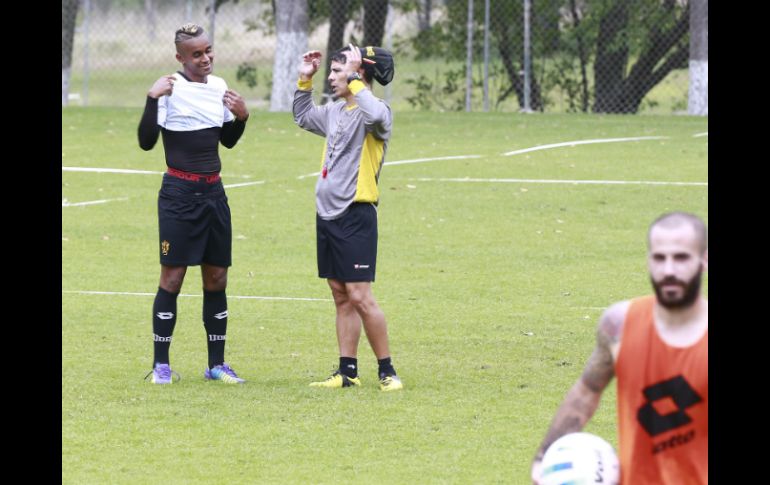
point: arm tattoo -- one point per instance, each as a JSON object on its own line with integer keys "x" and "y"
{"x": 599, "y": 369}
{"x": 578, "y": 407}
{"x": 583, "y": 398}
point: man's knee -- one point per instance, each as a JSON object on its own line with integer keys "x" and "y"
{"x": 361, "y": 297}
{"x": 171, "y": 278}
{"x": 339, "y": 292}
{"x": 214, "y": 278}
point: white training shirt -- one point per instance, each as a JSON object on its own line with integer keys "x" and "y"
{"x": 194, "y": 106}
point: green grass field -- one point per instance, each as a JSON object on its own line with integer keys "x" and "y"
{"x": 492, "y": 291}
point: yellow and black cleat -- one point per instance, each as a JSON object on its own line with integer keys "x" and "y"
{"x": 390, "y": 383}
{"x": 337, "y": 380}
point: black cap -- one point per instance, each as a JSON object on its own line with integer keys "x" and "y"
{"x": 378, "y": 62}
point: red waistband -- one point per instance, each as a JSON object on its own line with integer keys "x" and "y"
{"x": 194, "y": 177}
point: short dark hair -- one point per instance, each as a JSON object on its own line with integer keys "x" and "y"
{"x": 675, "y": 219}
{"x": 187, "y": 31}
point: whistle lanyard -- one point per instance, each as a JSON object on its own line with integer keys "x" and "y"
{"x": 330, "y": 156}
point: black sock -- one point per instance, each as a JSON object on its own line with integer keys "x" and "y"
{"x": 349, "y": 366}
{"x": 215, "y": 323}
{"x": 386, "y": 368}
{"x": 163, "y": 322}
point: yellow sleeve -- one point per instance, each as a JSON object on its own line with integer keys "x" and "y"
{"x": 356, "y": 86}
{"x": 305, "y": 85}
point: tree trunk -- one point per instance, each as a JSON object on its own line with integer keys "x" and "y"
{"x": 69, "y": 12}
{"x": 611, "y": 58}
{"x": 149, "y": 14}
{"x": 212, "y": 11}
{"x": 500, "y": 26}
{"x": 614, "y": 91}
{"x": 338, "y": 19}
{"x": 582, "y": 56}
{"x": 698, "y": 96}
{"x": 291, "y": 24}
{"x": 424, "y": 8}
{"x": 375, "y": 14}
{"x": 643, "y": 75}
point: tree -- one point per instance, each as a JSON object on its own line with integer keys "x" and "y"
{"x": 446, "y": 39}
{"x": 631, "y": 44}
{"x": 698, "y": 98}
{"x": 655, "y": 33}
{"x": 375, "y": 15}
{"x": 291, "y": 24}
{"x": 339, "y": 13}
{"x": 424, "y": 8}
{"x": 149, "y": 14}
{"x": 69, "y": 13}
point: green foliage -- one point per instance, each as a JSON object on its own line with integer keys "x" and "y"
{"x": 247, "y": 73}
{"x": 430, "y": 95}
{"x": 562, "y": 40}
{"x": 565, "y": 78}
{"x": 318, "y": 14}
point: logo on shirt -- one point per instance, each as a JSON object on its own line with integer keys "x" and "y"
{"x": 671, "y": 397}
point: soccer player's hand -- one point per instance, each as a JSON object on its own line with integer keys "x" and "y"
{"x": 311, "y": 61}
{"x": 352, "y": 60}
{"x": 162, "y": 87}
{"x": 235, "y": 103}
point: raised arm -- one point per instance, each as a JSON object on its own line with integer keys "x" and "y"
{"x": 148, "y": 126}
{"x": 377, "y": 115}
{"x": 306, "y": 114}
{"x": 582, "y": 399}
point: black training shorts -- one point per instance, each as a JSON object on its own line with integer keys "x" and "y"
{"x": 347, "y": 246}
{"x": 194, "y": 223}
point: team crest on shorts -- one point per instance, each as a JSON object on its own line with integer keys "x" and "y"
{"x": 164, "y": 247}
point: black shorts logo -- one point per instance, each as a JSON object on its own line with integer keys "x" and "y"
{"x": 680, "y": 392}
{"x": 164, "y": 247}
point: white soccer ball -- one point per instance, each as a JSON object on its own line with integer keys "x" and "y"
{"x": 580, "y": 458}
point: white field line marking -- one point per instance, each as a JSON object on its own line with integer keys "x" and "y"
{"x": 574, "y": 182}
{"x": 237, "y": 297}
{"x": 698, "y": 135}
{"x": 125, "y": 170}
{"x": 516, "y": 152}
{"x": 66, "y": 203}
{"x": 314, "y": 174}
{"x": 108, "y": 170}
{"x": 582, "y": 142}
{"x": 404, "y": 162}
{"x": 258, "y": 182}
{"x": 420, "y": 160}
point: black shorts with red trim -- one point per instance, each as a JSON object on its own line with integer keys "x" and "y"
{"x": 194, "y": 222}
